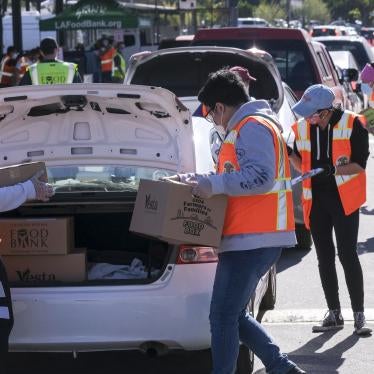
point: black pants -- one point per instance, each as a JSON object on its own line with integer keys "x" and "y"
{"x": 5, "y": 324}
{"x": 328, "y": 214}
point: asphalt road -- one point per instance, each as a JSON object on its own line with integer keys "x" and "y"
{"x": 300, "y": 304}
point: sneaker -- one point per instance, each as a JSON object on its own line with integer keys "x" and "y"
{"x": 333, "y": 321}
{"x": 360, "y": 324}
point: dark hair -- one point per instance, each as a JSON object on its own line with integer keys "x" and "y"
{"x": 225, "y": 87}
{"x": 48, "y": 46}
{"x": 11, "y": 49}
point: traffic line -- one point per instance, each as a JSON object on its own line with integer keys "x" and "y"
{"x": 308, "y": 315}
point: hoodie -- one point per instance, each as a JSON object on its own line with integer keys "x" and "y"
{"x": 256, "y": 157}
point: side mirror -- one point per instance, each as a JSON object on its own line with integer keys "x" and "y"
{"x": 350, "y": 75}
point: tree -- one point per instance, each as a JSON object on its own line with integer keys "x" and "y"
{"x": 314, "y": 9}
{"x": 270, "y": 10}
{"x": 342, "y": 8}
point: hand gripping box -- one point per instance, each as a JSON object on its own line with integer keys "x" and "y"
{"x": 170, "y": 212}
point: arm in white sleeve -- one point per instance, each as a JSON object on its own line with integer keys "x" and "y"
{"x": 256, "y": 156}
{"x": 14, "y": 196}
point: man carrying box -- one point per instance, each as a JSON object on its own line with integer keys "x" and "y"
{"x": 253, "y": 170}
{"x": 11, "y": 198}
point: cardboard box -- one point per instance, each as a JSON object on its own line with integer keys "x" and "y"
{"x": 36, "y": 236}
{"x": 11, "y": 175}
{"x": 170, "y": 212}
{"x": 67, "y": 268}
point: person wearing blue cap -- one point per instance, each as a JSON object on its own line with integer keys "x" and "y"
{"x": 336, "y": 141}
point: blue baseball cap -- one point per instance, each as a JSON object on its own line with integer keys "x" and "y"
{"x": 315, "y": 98}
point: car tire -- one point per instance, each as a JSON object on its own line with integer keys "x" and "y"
{"x": 245, "y": 361}
{"x": 303, "y": 237}
{"x": 270, "y": 296}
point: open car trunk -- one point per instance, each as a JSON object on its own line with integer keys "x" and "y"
{"x": 114, "y": 254}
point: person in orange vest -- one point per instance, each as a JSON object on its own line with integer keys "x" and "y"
{"x": 107, "y": 54}
{"x": 336, "y": 141}
{"x": 254, "y": 172}
{"x": 7, "y": 67}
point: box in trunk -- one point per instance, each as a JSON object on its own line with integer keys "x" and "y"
{"x": 11, "y": 175}
{"x": 67, "y": 268}
{"x": 170, "y": 212}
{"x": 36, "y": 236}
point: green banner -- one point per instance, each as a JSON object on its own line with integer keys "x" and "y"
{"x": 91, "y": 14}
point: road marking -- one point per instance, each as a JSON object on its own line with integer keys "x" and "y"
{"x": 308, "y": 315}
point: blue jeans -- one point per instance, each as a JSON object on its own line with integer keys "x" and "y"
{"x": 237, "y": 275}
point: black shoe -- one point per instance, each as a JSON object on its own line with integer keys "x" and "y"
{"x": 296, "y": 370}
{"x": 333, "y": 321}
{"x": 360, "y": 324}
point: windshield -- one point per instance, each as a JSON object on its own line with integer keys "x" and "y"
{"x": 101, "y": 178}
{"x": 362, "y": 54}
{"x": 291, "y": 57}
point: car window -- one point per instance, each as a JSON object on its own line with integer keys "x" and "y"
{"x": 324, "y": 32}
{"x": 291, "y": 57}
{"x": 321, "y": 64}
{"x": 185, "y": 73}
{"x": 358, "y": 50}
{"x": 101, "y": 178}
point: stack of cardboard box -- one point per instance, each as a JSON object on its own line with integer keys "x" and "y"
{"x": 38, "y": 249}
{"x": 41, "y": 249}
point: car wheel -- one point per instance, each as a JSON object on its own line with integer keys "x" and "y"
{"x": 245, "y": 361}
{"x": 303, "y": 237}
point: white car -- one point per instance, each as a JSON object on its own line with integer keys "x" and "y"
{"x": 98, "y": 140}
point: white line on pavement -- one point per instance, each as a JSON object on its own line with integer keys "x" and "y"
{"x": 308, "y": 315}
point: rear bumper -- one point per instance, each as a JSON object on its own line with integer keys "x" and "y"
{"x": 173, "y": 311}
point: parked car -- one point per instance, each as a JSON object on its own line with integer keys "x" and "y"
{"x": 348, "y": 76}
{"x": 179, "y": 41}
{"x": 97, "y": 142}
{"x": 368, "y": 34}
{"x": 301, "y": 62}
{"x": 357, "y": 45}
{"x": 327, "y": 30}
{"x": 184, "y": 71}
{"x": 252, "y": 22}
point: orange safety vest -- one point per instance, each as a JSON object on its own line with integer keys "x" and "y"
{"x": 107, "y": 60}
{"x": 352, "y": 188}
{"x": 261, "y": 213}
{"x": 6, "y": 72}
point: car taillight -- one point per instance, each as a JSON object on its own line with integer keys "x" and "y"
{"x": 189, "y": 254}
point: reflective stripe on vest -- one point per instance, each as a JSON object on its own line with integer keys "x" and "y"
{"x": 52, "y": 72}
{"x": 352, "y": 188}
{"x": 268, "y": 212}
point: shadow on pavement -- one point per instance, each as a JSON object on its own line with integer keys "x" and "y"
{"x": 365, "y": 247}
{"x": 326, "y": 362}
{"x": 290, "y": 257}
{"x": 364, "y": 210}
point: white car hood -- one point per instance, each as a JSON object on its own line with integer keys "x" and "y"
{"x": 119, "y": 124}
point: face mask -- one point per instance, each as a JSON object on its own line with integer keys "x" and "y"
{"x": 105, "y": 43}
{"x": 219, "y": 127}
{"x": 14, "y": 55}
